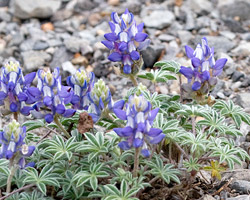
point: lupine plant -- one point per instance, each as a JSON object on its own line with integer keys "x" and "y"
{"x": 143, "y": 141}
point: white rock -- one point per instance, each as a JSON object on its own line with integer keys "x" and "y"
{"x": 242, "y": 50}
{"x": 67, "y": 66}
{"x": 159, "y": 19}
{"x": 25, "y": 9}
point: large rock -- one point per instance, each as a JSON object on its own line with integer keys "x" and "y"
{"x": 220, "y": 43}
{"x": 241, "y": 186}
{"x": 199, "y": 6}
{"x": 159, "y": 19}
{"x": 34, "y": 59}
{"x": 242, "y": 50}
{"x": 240, "y": 9}
{"x": 25, "y": 9}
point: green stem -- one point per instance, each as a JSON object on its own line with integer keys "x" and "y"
{"x": 58, "y": 123}
{"x": 133, "y": 79}
{"x": 136, "y": 161}
{"x": 12, "y": 173}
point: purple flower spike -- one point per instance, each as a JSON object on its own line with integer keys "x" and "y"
{"x": 204, "y": 71}
{"x": 13, "y": 145}
{"x": 125, "y": 41}
{"x": 54, "y": 96}
{"x": 15, "y": 92}
{"x": 138, "y": 131}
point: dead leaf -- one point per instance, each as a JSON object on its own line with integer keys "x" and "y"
{"x": 85, "y": 123}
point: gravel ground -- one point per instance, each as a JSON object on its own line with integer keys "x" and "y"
{"x": 67, "y": 34}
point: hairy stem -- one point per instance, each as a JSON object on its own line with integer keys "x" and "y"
{"x": 181, "y": 150}
{"x": 58, "y": 123}
{"x": 136, "y": 161}
{"x": 193, "y": 125}
{"x": 133, "y": 79}
{"x": 12, "y": 173}
{"x": 181, "y": 89}
{"x": 18, "y": 190}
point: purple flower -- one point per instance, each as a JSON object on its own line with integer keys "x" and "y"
{"x": 54, "y": 96}
{"x": 126, "y": 41}
{"x": 204, "y": 70}
{"x": 138, "y": 131}
{"x": 15, "y": 90}
{"x": 13, "y": 145}
{"x": 82, "y": 83}
{"x": 101, "y": 103}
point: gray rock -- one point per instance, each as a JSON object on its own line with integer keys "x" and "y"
{"x": 220, "y": 44}
{"x": 229, "y": 71}
{"x": 67, "y": 66}
{"x": 151, "y": 55}
{"x": 54, "y": 42}
{"x": 234, "y": 26}
{"x": 246, "y": 82}
{"x": 27, "y": 45}
{"x": 84, "y": 5}
{"x": 240, "y": 197}
{"x": 88, "y": 36}
{"x": 237, "y": 75}
{"x": 34, "y": 59}
{"x": 86, "y": 49}
{"x": 4, "y": 3}
{"x": 218, "y": 87}
{"x": 221, "y": 95}
{"x": 200, "y": 6}
{"x": 17, "y": 39}
{"x": 242, "y": 50}
{"x": 159, "y": 19}
{"x": 4, "y": 16}
{"x": 35, "y": 8}
{"x": 74, "y": 44}
{"x": 235, "y": 86}
{"x": 40, "y": 45}
{"x": 166, "y": 38}
{"x": 241, "y": 186}
{"x": 190, "y": 20}
{"x": 184, "y": 36}
{"x": 228, "y": 34}
{"x": 243, "y": 99}
{"x": 245, "y": 36}
{"x": 60, "y": 56}
{"x": 240, "y": 9}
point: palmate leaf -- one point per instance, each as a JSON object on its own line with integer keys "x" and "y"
{"x": 95, "y": 171}
{"x": 34, "y": 124}
{"x": 196, "y": 143}
{"x": 229, "y": 109}
{"x": 192, "y": 164}
{"x": 214, "y": 121}
{"x": 171, "y": 66}
{"x": 157, "y": 76}
{"x": 46, "y": 177}
{"x": 227, "y": 154}
{"x": 165, "y": 172}
{"x": 59, "y": 148}
{"x": 95, "y": 145}
{"x": 164, "y": 125}
{"x": 125, "y": 193}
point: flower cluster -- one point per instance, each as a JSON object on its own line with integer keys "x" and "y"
{"x": 138, "y": 131}
{"x": 13, "y": 145}
{"x": 204, "y": 71}
{"x": 101, "y": 101}
{"x": 15, "y": 90}
{"x": 82, "y": 83}
{"x": 54, "y": 96}
{"x": 126, "y": 41}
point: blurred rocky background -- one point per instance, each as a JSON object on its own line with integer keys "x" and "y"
{"x": 67, "y": 34}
